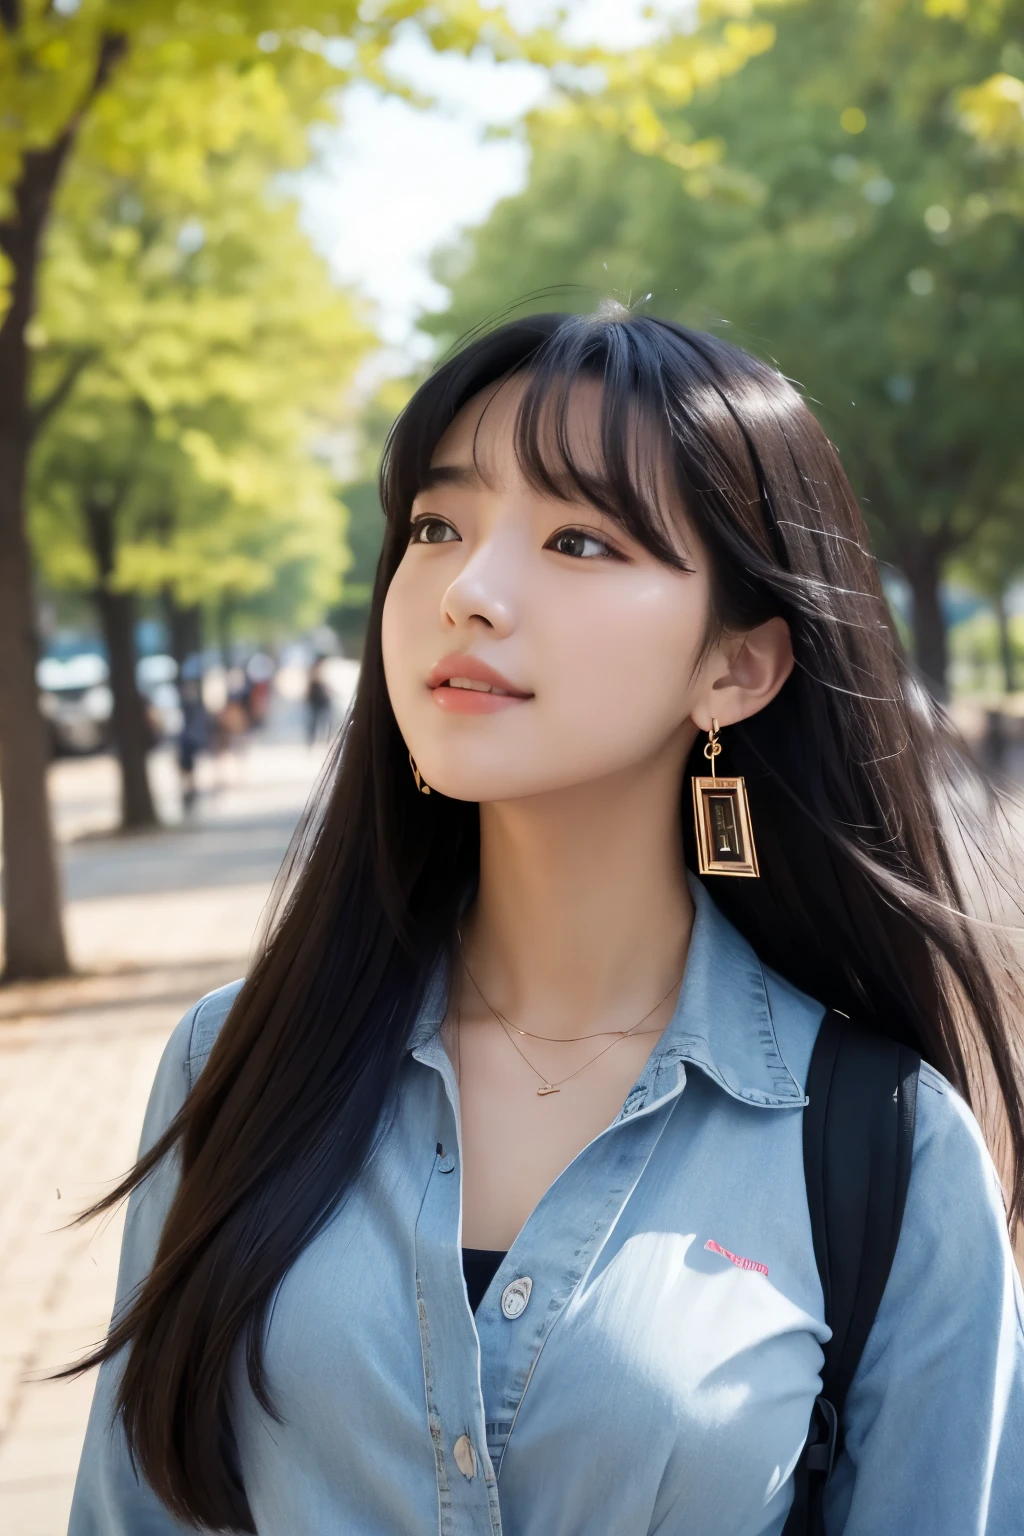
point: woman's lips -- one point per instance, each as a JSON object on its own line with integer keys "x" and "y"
{"x": 463, "y": 684}
{"x": 460, "y": 667}
{"x": 471, "y": 701}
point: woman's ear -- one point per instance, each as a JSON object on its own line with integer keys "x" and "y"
{"x": 752, "y": 668}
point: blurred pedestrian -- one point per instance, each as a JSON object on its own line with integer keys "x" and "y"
{"x": 259, "y": 671}
{"x": 193, "y": 737}
{"x": 318, "y": 702}
{"x": 228, "y": 738}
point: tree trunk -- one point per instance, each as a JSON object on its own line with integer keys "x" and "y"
{"x": 184, "y": 629}
{"x": 931, "y": 650}
{"x": 34, "y": 933}
{"x": 1006, "y": 655}
{"x": 132, "y": 736}
{"x": 34, "y": 937}
{"x": 225, "y": 616}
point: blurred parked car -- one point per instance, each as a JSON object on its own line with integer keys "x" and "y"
{"x": 76, "y": 701}
{"x": 75, "y": 698}
{"x": 156, "y": 677}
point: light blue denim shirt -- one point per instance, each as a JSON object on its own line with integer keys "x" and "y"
{"x": 660, "y": 1376}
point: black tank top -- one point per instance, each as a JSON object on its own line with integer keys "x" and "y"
{"x": 479, "y": 1266}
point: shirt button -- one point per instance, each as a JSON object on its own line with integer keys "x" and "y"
{"x": 515, "y": 1296}
{"x": 465, "y": 1456}
{"x": 445, "y": 1160}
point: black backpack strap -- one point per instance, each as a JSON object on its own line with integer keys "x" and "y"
{"x": 858, "y": 1149}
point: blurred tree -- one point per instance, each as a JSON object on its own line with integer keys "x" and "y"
{"x": 850, "y": 206}
{"x": 210, "y": 350}
{"x": 366, "y": 517}
{"x": 148, "y": 90}
{"x": 992, "y": 565}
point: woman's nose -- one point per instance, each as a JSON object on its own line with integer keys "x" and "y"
{"x": 484, "y": 589}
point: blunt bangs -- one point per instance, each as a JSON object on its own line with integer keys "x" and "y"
{"x": 669, "y": 440}
{"x": 629, "y": 472}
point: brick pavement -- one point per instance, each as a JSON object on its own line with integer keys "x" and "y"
{"x": 74, "y": 1089}
{"x": 154, "y": 922}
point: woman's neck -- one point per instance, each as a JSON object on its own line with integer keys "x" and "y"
{"x": 583, "y": 914}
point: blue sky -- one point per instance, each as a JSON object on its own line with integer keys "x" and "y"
{"x": 393, "y": 182}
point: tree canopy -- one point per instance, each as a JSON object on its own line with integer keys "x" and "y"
{"x": 201, "y": 350}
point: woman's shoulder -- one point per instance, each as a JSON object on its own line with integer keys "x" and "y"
{"x": 796, "y": 1018}
{"x": 948, "y": 1135}
{"x": 954, "y": 1181}
{"x": 183, "y": 1058}
{"x": 191, "y": 1041}
{"x": 207, "y": 1016}
{"x": 954, "y": 1241}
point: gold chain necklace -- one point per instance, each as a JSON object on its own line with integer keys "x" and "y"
{"x": 546, "y": 1086}
{"x": 598, "y": 1034}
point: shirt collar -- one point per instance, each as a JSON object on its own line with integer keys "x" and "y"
{"x": 722, "y": 1022}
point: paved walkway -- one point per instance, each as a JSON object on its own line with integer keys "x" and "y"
{"x": 154, "y": 921}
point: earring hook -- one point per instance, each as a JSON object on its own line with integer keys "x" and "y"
{"x": 713, "y": 747}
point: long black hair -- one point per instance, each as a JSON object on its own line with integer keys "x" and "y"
{"x": 866, "y": 810}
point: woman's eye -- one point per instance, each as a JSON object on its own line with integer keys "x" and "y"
{"x": 581, "y": 545}
{"x": 431, "y": 530}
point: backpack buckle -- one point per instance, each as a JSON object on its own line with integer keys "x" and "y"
{"x": 821, "y": 1452}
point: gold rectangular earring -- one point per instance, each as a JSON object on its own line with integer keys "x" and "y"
{"x": 725, "y": 839}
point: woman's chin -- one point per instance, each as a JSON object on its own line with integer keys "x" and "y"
{"x": 479, "y": 788}
{"x": 499, "y": 782}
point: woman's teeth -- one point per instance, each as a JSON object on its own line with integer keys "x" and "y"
{"x": 468, "y": 682}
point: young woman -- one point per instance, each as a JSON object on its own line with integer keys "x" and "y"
{"x": 500, "y": 1011}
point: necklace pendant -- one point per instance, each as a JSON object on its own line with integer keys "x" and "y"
{"x": 546, "y": 1088}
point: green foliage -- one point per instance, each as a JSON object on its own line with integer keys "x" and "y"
{"x": 206, "y": 351}
{"x": 976, "y": 655}
{"x": 366, "y": 517}
{"x": 994, "y": 560}
{"x": 199, "y": 75}
{"x": 849, "y": 204}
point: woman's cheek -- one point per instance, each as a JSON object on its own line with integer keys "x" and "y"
{"x": 611, "y": 699}
{"x": 633, "y": 655}
{"x": 397, "y": 648}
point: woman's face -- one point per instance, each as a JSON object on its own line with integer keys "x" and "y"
{"x": 594, "y": 637}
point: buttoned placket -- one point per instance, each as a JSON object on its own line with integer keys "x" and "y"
{"x": 556, "y": 1248}
{"x": 488, "y": 1360}
{"x": 467, "y": 1489}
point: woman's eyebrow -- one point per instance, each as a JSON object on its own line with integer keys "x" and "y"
{"x": 463, "y": 475}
